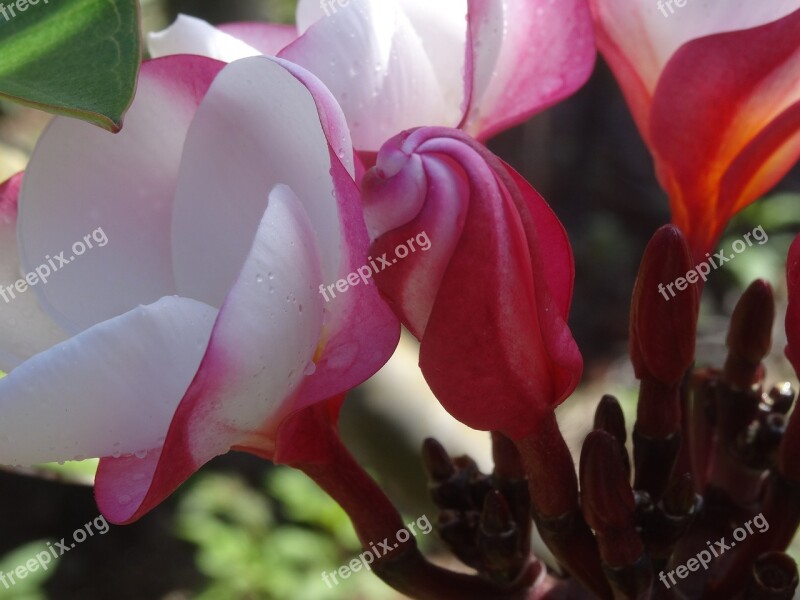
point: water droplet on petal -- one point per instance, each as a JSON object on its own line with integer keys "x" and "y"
{"x": 124, "y": 499}
{"x": 310, "y": 369}
{"x": 140, "y": 453}
{"x": 259, "y": 278}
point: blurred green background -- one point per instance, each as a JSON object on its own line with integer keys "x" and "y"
{"x": 242, "y": 529}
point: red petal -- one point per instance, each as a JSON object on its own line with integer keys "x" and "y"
{"x": 724, "y": 124}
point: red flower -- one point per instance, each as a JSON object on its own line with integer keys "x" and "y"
{"x": 714, "y": 90}
{"x": 490, "y": 295}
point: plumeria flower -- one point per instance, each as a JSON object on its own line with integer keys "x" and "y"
{"x": 714, "y": 90}
{"x": 489, "y": 299}
{"x": 198, "y": 327}
{"x": 483, "y": 65}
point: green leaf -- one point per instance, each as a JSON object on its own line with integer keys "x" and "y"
{"x": 78, "y": 58}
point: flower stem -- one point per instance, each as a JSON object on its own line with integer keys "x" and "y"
{"x": 376, "y": 520}
{"x": 553, "y": 486}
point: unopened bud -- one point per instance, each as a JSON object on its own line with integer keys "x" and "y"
{"x": 663, "y": 326}
{"x": 750, "y": 334}
{"x": 437, "y": 462}
{"x": 608, "y": 417}
{"x": 607, "y": 500}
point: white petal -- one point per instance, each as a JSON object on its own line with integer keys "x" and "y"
{"x": 377, "y": 65}
{"x": 258, "y": 127}
{"x": 82, "y": 179}
{"x": 25, "y": 329}
{"x": 267, "y": 332}
{"x": 267, "y": 38}
{"x": 190, "y": 35}
{"x": 440, "y": 25}
{"x": 310, "y": 11}
{"x": 111, "y": 389}
{"x": 442, "y": 29}
{"x": 254, "y": 361}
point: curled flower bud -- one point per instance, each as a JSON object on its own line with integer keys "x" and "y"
{"x": 479, "y": 269}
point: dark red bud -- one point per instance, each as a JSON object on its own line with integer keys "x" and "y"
{"x": 607, "y": 500}
{"x": 437, "y": 461}
{"x": 507, "y": 461}
{"x": 663, "y": 316}
{"x": 496, "y": 517}
{"x": 750, "y": 334}
{"x": 608, "y": 417}
{"x": 499, "y": 538}
{"x": 606, "y": 494}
